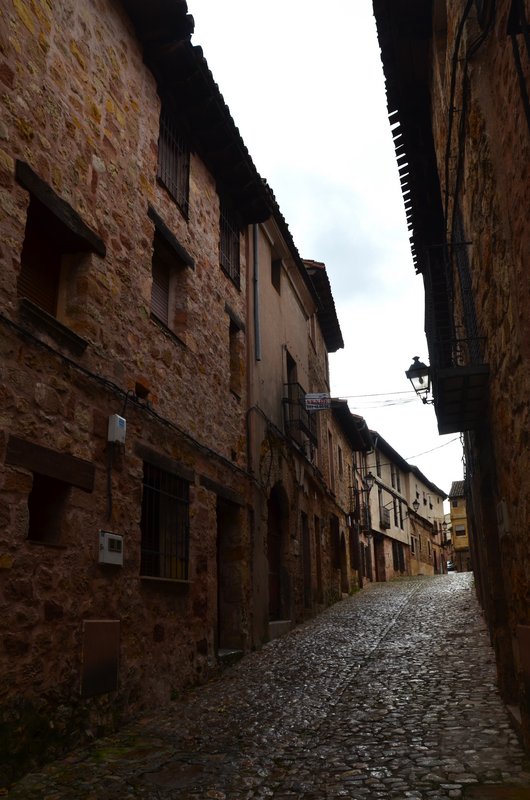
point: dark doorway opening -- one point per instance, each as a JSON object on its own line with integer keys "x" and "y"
{"x": 230, "y": 576}
{"x": 277, "y": 528}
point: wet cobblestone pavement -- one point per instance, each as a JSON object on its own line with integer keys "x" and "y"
{"x": 388, "y": 694}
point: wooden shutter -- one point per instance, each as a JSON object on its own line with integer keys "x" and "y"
{"x": 160, "y": 290}
{"x": 40, "y": 264}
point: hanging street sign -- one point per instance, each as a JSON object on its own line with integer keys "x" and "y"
{"x": 317, "y": 401}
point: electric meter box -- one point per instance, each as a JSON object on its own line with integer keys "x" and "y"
{"x": 117, "y": 429}
{"x": 110, "y": 548}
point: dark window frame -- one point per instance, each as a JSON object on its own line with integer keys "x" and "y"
{"x": 173, "y": 165}
{"x": 55, "y": 238}
{"x": 164, "y": 525}
{"x": 47, "y": 502}
{"x": 170, "y": 262}
{"x": 276, "y": 274}
{"x": 161, "y": 284}
{"x": 230, "y": 243}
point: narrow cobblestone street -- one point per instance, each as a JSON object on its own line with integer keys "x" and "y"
{"x": 388, "y": 694}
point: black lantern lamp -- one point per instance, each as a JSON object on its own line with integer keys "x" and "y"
{"x": 368, "y": 481}
{"x": 419, "y": 375}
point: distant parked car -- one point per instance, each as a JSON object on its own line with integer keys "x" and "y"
{"x": 451, "y": 567}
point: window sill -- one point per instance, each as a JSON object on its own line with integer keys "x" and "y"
{"x": 53, "y": 545}
{"x": 235, "y": 280}
{"x": 178, "y": 581}
{"x": 60, "y": 333}
{"x": 183, "y": 206}
{"x": 169, "y": 333}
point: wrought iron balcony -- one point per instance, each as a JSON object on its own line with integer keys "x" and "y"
{"x": 298, "y": 420}
{"x": 460, "y": 384}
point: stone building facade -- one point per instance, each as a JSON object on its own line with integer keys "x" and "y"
{"x": 167, "y": 502}
{"x": 458, "y": 86}
{"x": 406, "y": 516}
{"x": 124, "y": 488}
{"x": 459, "y": 527}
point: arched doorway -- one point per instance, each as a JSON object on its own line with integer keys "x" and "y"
{"x": 277, "y": 527}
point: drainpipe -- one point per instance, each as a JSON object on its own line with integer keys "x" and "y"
{"x": 257, "y": 332}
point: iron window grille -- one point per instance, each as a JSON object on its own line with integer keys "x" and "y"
{"x": 164, "y": 525}
{"x": 229, "y": 244}
{"x": 173, "y": 161}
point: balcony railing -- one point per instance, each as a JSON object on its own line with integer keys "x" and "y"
{"x": 298, "y": 421}
{"x": 460, "y": 383}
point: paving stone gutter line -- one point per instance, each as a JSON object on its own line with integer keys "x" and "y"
{"x": 390, "y": 693}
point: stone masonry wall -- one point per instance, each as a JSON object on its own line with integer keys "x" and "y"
{"x": 494, "y": 202}
{"x": 79, "y": 107}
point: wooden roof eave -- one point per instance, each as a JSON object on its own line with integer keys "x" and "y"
{"x": 183, "y": 76}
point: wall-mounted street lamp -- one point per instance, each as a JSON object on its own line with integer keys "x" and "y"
{"x": 368, "y": 481}
{"x": 419, "y": 375}
{"x": 415, "y": 506}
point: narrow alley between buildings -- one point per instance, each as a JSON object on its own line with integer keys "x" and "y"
{"x": 390, "y": 693}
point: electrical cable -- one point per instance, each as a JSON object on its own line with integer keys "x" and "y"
{"x": 445, "y": 444}
{"x": 376, "y": 394}
{"x": 115, "y": 389}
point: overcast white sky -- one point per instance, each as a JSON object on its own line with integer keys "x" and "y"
{"x": 304, "y": 83}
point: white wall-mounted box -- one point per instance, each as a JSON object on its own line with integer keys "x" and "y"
{"x": 117, "y": 429}
{"x": 110, "y": 548}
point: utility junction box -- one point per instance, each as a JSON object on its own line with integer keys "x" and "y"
{"x": 110, "y": 548}
{"x": 117, "y": 429}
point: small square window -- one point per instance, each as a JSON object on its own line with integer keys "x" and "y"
{"x": 46, "y": 504}
{"x": 50, "y": 261}
{"x": 54, "y": 259}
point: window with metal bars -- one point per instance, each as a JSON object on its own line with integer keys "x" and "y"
{"x": 468, "y": 351}
{"x": 173, "y": 160}
{"x": 229, "y": 244}
{"x": 164, "y": 525}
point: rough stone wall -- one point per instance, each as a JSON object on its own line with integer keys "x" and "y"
{"x": 493, "y": 197}
{"x": 81, "y": 109}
